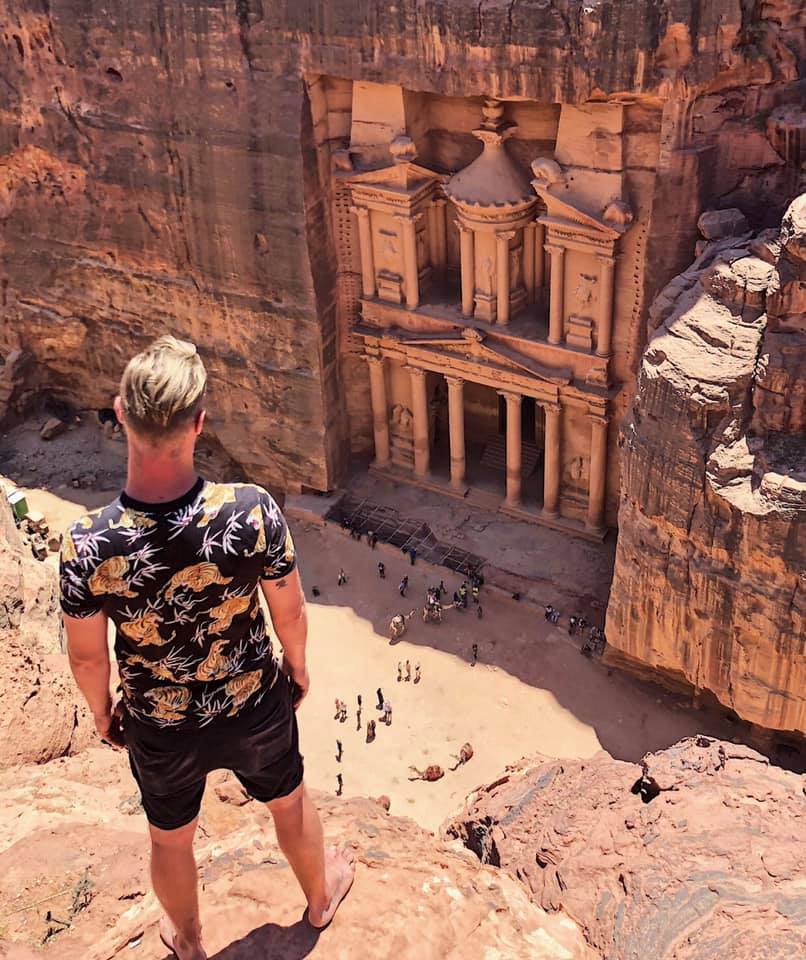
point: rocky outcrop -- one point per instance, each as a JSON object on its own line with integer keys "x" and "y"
{"x": 709, "y": 584}
{"x": 40, "y": 714}
{"x": 75, "y": 849}
{"x": 697, "y": 853}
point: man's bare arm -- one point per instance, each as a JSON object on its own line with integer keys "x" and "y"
{"x": 88, "y": 653}
{"x": 289, "y": 617}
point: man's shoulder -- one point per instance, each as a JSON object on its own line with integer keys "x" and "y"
{"x": 94, "y": 520}
{"x": 87, "y": 534}
{"x": 242, "y": 494}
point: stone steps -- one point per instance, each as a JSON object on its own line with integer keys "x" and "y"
{"x": 495, "y": 455}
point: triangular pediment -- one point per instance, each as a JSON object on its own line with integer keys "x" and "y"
{"x": 397, "y": 178}
{"x": 563, "y": 210}
{"x": 473, "y": 345}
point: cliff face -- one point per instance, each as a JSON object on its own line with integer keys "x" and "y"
{"x": 158, "y": 172}
{"x": 40, "y": 715}
{"x": 709, "y": 581}
{"x": 695, "y": 854}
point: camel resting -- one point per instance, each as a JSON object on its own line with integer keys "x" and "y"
{"x": 465, "y": 754}
{"x": 431, "y": 773}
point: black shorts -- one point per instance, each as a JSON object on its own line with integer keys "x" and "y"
{"x": 170, "y": 766}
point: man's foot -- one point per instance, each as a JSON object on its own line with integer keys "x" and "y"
{"x": 339, "y": 875}
{"x": 183, "y": 949}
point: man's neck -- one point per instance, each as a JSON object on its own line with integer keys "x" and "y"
{"x": 154, "y": 479}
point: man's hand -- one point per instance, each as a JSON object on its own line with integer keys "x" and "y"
{"x": 109, "y": 725}
{"x": 300, "y": 682}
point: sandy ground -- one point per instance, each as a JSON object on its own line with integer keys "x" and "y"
{"x": 531, "y": 692}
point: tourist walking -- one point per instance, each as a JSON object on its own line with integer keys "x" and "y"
{"x": 475, "y": 649}
{"x": 342, "y": 577}
{"x": 164, "y": 727}
{"x": 479, "y": 611}
{"x": 339, "y": 785}
{"x": 404, "y": 586}
{"x": 370, "y": 731}
{"x": 413, "y": 556}
{"x": 399, "y": 670}
{"x": 379, "y": 693}
{"x": 381, "y": 570}
{"x": 387, "y": 713}
{"x": 408, "y": 671}
{"x": 339, "y": 751}
{"x": 416, "y": 672}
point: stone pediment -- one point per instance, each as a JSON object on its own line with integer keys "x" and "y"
{"x": 400, "y": 179}
{"x": 471, "y": 344}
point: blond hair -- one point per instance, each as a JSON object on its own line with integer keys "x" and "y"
{"x": 162, "y": 388}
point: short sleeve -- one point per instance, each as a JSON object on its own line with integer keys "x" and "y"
{"x": 280, "y": 557}
{"x": 75, "y": 596}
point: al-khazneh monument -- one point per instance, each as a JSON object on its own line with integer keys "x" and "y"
{"x": 425, "y": 236}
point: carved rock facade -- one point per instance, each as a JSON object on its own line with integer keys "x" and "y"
{"x": 710, "y": 579}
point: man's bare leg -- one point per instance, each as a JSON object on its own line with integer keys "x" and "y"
{"x": 175, "y": 882}
{"x": 325, "y": 877}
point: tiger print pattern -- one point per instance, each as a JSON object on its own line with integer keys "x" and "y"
{"x": 180, "y": 581}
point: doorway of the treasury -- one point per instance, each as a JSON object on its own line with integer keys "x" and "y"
{"x": 484, "y": 414}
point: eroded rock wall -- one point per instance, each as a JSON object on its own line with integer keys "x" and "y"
{"x": 161, "y": 169}
{"x": 40, "y": 714}
{"x": 695, "y": 854}
{"x": 710, "y": 576}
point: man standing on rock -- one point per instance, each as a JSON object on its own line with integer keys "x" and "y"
{"x": 176, "y": 562}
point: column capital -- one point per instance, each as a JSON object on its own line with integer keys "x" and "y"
{"x": 463, "y": 227}
{"x": 598, "y": 418}
{"x": 554, "y": 249}
{"x": 510, "y": 396}
{"x": 506, "y": 234}
{"x": 417, "y": 372}
{"x": 531, "y": 225}
{"x": 409, "y": 218}
{"x": 455, "y": 383}
{"x": 440, "y": 202}
{"x": 362, "y": 212}
{"x": 373, "y": 358}
{"x": 606, "y": 259}
{"x": 550, "y": 406}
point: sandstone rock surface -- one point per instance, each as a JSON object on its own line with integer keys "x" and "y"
{"x": 712, "y": 866}
{"x": 75, "y": 845}
{"x": 40, "y": 715}
{"x": 710, "y": 575}
{"x": 158, "y": 173}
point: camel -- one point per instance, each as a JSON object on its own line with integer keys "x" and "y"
{"x": 465, "y": 754}
{"x": 430, "y": 774}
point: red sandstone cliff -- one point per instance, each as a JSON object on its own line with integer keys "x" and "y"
{"x": 158, "y": 172}
{"x": 710, "y": 578}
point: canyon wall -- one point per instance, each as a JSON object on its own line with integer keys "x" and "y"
{"x": 710, "y": 577}
{"x": 162, "y": 168}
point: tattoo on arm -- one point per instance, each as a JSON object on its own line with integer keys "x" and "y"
{"x": 281, "y": 583}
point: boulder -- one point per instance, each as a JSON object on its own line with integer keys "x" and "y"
{"x": 718, "y": 224}
{"x": 52, "y": 428}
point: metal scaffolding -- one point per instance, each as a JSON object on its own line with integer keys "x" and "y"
{"x": 403, "y": 532}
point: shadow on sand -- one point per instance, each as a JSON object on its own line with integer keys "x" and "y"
{"x": 631, "y": 716}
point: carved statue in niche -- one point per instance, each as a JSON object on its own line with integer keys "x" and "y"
{"x": 401, "y": 418}
{"x": 585, "y": 291}
{"x": 515, "y": 255}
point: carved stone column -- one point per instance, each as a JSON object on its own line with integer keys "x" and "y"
{"x": 605, "y": 328}
{"x": 380, "y": 410}
{"x": 367, "y": 258}
{"x": 411, "y": 281}
{"x": 468, "y": 256}
{"x": 456, "y": 425}
{"x": 529, "y": 261}
{"x": 513, "y": 447}
{"x": 419, "y": 409}
{"x": 540, "y": 257}
{"x": 556, "y": 293}
{"x": 551, "y": 458}
{"x": 598, "y": 472}
{"x": 441, "y": 248}
{"x": 502, "y": 275}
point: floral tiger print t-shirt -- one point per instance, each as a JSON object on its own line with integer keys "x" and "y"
{"x": 180, "y": 581}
